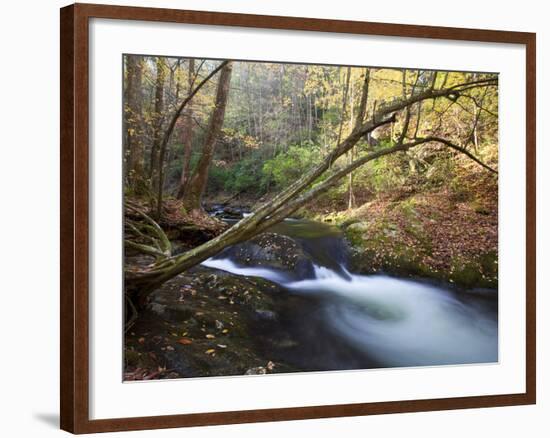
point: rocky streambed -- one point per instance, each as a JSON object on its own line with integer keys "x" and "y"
{"x": 205, "y": 323}
{"x": 285, "y": 302}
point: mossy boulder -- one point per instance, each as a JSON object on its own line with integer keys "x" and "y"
{"x": 273, "y": 251}
{"x": 204, "y": 323}
{"x": 382, "y": 251}
{"x": 413, "y": 237}
{"x": 482, "y": 271}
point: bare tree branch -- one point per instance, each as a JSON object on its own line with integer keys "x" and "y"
{"x": 461, "y": 150}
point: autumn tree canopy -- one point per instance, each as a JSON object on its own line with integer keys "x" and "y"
{"x": 286, "y": 136}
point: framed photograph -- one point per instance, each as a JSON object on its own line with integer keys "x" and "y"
{"x": 275, "y": 218}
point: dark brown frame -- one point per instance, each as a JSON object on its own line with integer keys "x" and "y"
{"x": 74, "y": 217}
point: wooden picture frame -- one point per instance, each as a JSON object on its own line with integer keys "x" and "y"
{"x": 75, "y": 238}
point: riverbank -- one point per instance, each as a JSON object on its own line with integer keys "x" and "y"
{"x": 425, "y": 236}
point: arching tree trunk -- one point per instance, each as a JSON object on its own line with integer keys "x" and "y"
{"x": 307, "y": 187}
{"x": 197, "y": 183}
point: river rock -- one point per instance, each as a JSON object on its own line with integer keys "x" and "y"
{"x": 233, "y": 212}
{"x": 357, "y": 227}
{"x": 190, "y": 331}
{"x": 266, "y": 315}
{"x": 274, "y": 251}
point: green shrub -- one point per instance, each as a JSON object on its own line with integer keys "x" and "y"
{"x": 245, "y": 176}
{"x": 291, "y": 165}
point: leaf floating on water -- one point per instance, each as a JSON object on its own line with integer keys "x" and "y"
{"x": 210, "y": 336}
{"x": 185, "y": 341}
{"x": 184, "y": 334}
{"x": 222, "y": 345}
{"x": 169, "y": 348}
{"x": 210, "y": 351}
{"x": 225, "y": 331}
{"x": 221, "y": 297}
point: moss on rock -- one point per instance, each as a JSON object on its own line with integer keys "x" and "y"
{"x": 415, "y": 237}
{"x": 274, "y": 251}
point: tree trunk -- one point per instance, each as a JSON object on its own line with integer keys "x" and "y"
{"x": 187, "y": 135}
{"x": 351, "y": 197}
{"x": 361, "y": 111}
{"x": 197, "y": 183}
{"x": 344, "y": 103}
{"x": 176, "y": 115}
{"x": 134, "y": 123}
{"x": 157, "y": 121}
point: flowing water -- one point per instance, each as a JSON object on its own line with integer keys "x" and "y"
{"x": 342, "y": 320}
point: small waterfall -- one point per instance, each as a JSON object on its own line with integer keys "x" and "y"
{"x": 230, "y": 266}
{"x": 398, "y": 322}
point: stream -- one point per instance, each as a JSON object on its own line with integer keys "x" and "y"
{"x": 342, "y": 320}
